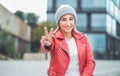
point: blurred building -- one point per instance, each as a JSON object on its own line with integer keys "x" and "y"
{"x": 19, "y": 31}
{"x": 99, "y": 19}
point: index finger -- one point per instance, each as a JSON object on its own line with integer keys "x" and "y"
{"x": 45, "y": 31}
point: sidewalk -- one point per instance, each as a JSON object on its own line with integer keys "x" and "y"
{"x": 39, "y": 68}
{"x": 107, "y": 68}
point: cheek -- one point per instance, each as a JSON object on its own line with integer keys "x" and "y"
{"x": 74, "y": 24}
{"x": 62, "y": 26}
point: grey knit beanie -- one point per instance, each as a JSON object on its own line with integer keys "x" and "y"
{"x": 64, "y": 9}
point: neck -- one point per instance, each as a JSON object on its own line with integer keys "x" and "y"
{"x": 67, "y": 36}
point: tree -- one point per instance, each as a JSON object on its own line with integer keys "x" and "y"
{"x": 32, "y": 19}
{"x": 38, "y": 32}
{"x": 7, "y": 46}
{"x": 20, "y": 14}
{"x": 29, "y": 18}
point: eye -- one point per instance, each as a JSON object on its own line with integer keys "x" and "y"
{"x": 71, "y": 19}
{"x": 63, "y": 19}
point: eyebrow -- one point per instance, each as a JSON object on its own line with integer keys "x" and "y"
{"x": 69, "y": 17}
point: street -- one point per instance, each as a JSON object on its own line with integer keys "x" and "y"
{"x": 39, "y": 68}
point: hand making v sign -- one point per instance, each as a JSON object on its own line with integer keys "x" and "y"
{"x": 47, "y": 38}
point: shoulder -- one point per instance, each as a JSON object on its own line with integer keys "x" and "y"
{"x": 78, "y": 34}
{"x": 58, "y": 35}
{"x": 81, "y": 36}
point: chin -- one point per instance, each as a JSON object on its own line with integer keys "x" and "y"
{"x": 68, "y": 31}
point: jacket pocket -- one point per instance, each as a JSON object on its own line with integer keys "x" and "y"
{"x": 51, "y": 73}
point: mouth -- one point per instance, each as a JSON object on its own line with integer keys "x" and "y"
{"x": 68, "y": 28}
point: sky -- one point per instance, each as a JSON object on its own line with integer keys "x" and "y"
{"x": 27, "y": 6}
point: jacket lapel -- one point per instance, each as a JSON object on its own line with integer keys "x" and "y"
{"x": 62, "y": 43}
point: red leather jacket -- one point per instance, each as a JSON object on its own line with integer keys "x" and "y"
{"x": 60, "y": 55}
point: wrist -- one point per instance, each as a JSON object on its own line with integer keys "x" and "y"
{"x": 48, "y": 47}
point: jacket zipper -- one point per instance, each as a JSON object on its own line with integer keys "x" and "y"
{"x": 68, "y": 61}
{"x": 60, "y": 51}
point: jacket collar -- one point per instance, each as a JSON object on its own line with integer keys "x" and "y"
{"x": 59, "y": 34}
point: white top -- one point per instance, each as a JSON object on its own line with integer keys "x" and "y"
{"x": 73, "y": 68}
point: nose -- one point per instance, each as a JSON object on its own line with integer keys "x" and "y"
{"x": 68, "y": 23}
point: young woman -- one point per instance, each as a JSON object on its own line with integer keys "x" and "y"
{"x": 70, "y": 51}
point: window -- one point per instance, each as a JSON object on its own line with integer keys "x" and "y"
{"x": 111, "y": 8}
{"x": 109, "y": 24}
{"x": 118, "y": 29}
{"x": 73, "y": 3}
{"x": 108, "y": 6}
{"x": 98, "y": 22}
{"x": 116, "y": 2}
{"x": 93, "y": 4}
{"x": 49, "y": 5}
{"x": 119, "y": 16}
{"x": 51, "y": 17}
{"x": 0, "y": 20}
{"x": 113, "y": 27}
{"x": 116, "y": 12}
{"x": 97, "y": 42}
{"x": 81, "y": 22}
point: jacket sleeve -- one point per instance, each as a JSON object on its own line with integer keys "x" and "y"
{"x": 89, "y": 61}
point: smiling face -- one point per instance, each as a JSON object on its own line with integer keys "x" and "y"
{"x": 67, "y": 23}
